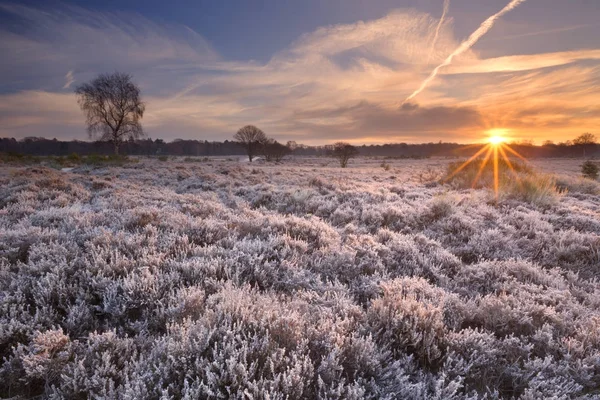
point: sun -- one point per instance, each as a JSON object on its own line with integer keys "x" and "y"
{"x": 496, "y": 137}
{"x": 496, "y": 140}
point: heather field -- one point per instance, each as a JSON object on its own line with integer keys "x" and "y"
{"x": 194, "y": 278}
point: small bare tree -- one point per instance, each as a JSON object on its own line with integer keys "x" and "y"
{"x": 251, "y": 138}
{"x": 113, "y": 108}
{"x": 344, "y": 152}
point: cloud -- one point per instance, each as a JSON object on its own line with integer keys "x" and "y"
{"x": 545, "y": 32}
{"x": 342, "y": 81}
{"x": 406, "y": 121}
{"x": 40, "y": 113}
{"x": 69, "y": 78}
{"x": 523, "y": 62}
{"x": 402, "y": 36}
{"x": 92, "y": 42}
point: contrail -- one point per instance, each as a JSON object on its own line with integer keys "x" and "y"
{"x": 467, "y": 44}
{"x": 437, "y": 30}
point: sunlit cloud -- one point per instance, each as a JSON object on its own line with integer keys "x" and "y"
{"x": 523, "y": 62}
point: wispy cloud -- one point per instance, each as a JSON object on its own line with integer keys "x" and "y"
{"x": 545, "y": 32}
{"x": 467, "y": 44}
{"x": 69, "y": 79}
{"x": 439, "y": 26}
{"x": 523, "y": 62}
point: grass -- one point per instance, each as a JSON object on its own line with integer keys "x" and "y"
{"x": 477, "y": 176}
{"x": 516, "y": 180}
{"x": 12, "y": 157}
{"x": 196, "y": 159}
{"x": 538, "y": 189}
{"x": 72, "y": 160}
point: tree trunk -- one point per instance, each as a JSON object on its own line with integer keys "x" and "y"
{"x": 116, "y": 147}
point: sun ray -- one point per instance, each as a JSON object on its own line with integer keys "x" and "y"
{"x": 515, "y": 153}
{"x": 507, "y": 160}
{"x": 467, "y": 163}
{"x": 510, "y": 165}
{"x": 496, "y": 173}
{"x": 482, "y": 167}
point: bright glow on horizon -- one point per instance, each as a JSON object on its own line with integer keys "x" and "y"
{"x": 497, "y": 136}
{"x": 496, "y": 140}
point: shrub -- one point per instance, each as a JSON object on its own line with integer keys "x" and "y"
{"x": 430, "y": 174}
{"x": 407, "y": 320}
{"x": 590, "y": 170}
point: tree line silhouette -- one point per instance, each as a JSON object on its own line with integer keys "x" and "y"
{"x": 154, "y": 147}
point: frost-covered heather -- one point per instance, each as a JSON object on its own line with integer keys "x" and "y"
{"x": 223, "y": 279}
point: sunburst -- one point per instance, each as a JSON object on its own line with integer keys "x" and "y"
{"x": 495, "y": 149}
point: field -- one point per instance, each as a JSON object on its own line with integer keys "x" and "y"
{"x": 216, "y": 278}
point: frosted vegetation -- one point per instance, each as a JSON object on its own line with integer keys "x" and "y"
{"x": 219, "y": 279}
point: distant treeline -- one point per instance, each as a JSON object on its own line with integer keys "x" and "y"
{"x": 47, "y": 147}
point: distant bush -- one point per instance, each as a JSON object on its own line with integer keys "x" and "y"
{"x": 74, "y": 157}
{"x": 163, "y": 158}
{"x": 590, "y": 170}
{"x": 344, "y": 152}
{"x": 113, "y": 159}
{"x": 272, "y": 150}
{"x": 196, "y": 159}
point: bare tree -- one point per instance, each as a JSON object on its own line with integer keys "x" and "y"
{"x": 251, "y": 138}
{"x": 344, "y": 152}
{"x": 113, "y": 108}
{"x": 274, "y": 151}
{"x": 586, "y": 141}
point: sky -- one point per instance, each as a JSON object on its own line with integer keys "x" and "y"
{"x": 311, "y": 71}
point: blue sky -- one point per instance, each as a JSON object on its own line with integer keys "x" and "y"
{"x": 311, "y": 71}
